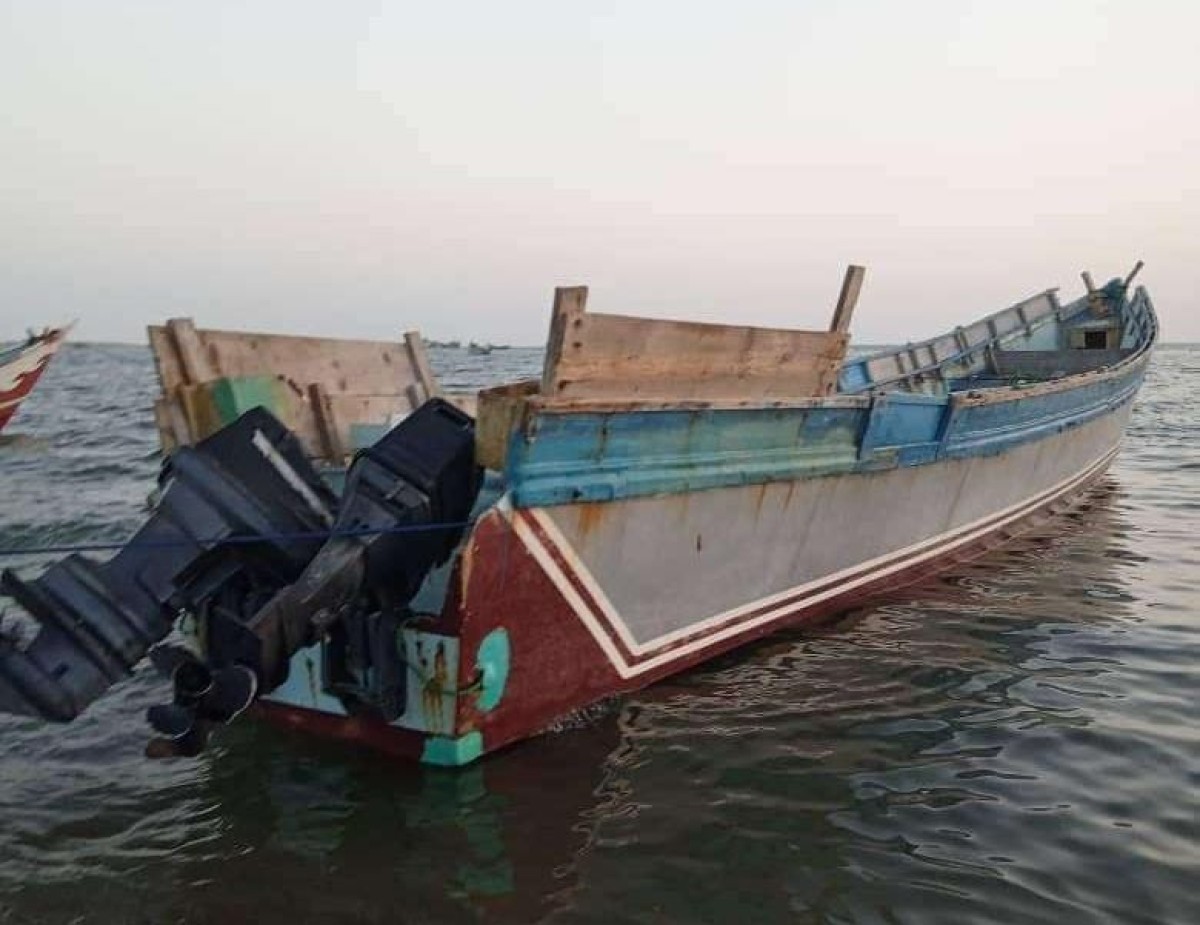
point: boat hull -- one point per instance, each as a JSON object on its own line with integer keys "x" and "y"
{"x": 20, "y": 371}
{"x": 601, "y": 598}
{"x": 663, "y": 506}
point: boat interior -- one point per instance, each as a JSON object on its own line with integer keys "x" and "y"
{"x": 1036, "y": 340}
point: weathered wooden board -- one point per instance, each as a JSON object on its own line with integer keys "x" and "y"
{"x": 847, "y": 299}
{"x": 187, "y": 355}
{"x": 322, "y": 386}
{"x": 499, "y": 411}
{"x": 600, "y": 356}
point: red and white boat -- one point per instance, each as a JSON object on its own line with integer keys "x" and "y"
{"x": 22, "y": 365}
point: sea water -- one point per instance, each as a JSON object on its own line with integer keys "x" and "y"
{"x": 1018, "y": 742}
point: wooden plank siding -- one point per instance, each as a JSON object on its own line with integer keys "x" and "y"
{"x": 188, "y": 355}
{"x": 593, "y": 356}
{"x": 319, "y": 387}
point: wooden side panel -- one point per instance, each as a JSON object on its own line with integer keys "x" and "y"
{"x": 191, "y": 350}
{"x": 166, "y": 359}
{"x": 164, "y": 412}
{"x": 326, "y": 422}
{"x": 420, "y": 365}
{"x": 326, "y": 385}
{"x": 594, "y": 356}
{"x": 847, "y": 299}
{"x": 499, "y": 411}
{"x": 341, "y": 366}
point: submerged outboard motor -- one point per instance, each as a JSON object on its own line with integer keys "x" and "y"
{"x": 250, "y": 482}
{"x": 243, "y": 540}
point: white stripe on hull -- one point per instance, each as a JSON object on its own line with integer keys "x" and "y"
{"x": 715, "y": 629}
{"x": 668, "y": 561}
{"x": 29, "y": 361}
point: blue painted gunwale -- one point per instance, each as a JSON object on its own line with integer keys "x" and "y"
{"x": 574, "y": 454}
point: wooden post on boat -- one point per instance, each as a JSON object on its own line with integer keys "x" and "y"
{"x": 839, "y": 325}
{"x": 847, "y": 299}
{"x": 420, "y": 364}
{"x": 1096, "y": 302}
{"x": 193, "y": 360}
{"x": 570, "y": 303}
{"x": 1137, "y": 268}
{"x": 325, "y": 418}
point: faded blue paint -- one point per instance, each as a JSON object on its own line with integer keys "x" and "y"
{"x": 493, "y": 661}
{"x": 597, "y": 456}
{"x": 305, "y": 685}
{"x": 452, "y": 753}
{"x": 600, "y": 457}
{"x": 1036, "y": 324}
{"x": 1046, "y": 337}
{"x": 924, "y": 366}
{"x": 1140, "y": 324}
{"x": 431, "y": 596}
{"x": 365, "y": 435}
{"x": 901, "y": 419}
{"x": 994, "y": 428}
{"x": 853, "y": 377}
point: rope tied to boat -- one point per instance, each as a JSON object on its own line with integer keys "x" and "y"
{"x": 249, "y": 539}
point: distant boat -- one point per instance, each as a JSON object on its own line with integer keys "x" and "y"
{"x": 22, "y": 365}
{"x": 479, "y": 349}
{"x": 665, "y": 492}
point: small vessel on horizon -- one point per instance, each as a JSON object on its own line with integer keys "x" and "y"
{"x": 664, "y": 492}
{"x": 21, "y": 365}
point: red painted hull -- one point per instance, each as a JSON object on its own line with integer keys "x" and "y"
{"x": 560, "y": 665}
{"x": 21, "y": 369}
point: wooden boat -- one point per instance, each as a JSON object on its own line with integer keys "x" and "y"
{"x": 665, "y": 492}
{"x": 22, "y": 365}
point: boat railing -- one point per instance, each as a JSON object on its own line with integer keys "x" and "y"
{"x": 950, "y": 354}
{"x": 1141, "y": 322}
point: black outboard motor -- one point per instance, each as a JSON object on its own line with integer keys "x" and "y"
{"x": 243, "y": 540}
{"x": 403, "y": 511}
{"x": 249, "y": 482}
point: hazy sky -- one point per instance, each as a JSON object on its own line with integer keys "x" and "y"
{"x": 357, "y": 169}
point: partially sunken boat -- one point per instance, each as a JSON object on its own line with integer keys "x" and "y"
{"x": 21, "y": 365}
{"x": 665, "y": 491}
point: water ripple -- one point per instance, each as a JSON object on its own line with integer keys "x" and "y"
{"x": 1013, "y": 743}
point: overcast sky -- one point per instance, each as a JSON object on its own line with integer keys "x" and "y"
{"x": 358, "y": 169}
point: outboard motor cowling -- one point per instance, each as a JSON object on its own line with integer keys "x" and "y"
{"x": 403, "y": 511}
{"x": 248, "y": 541}
{"x": 239, "y": 515}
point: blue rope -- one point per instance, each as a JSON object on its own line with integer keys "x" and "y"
{"x": 235, "y": 540}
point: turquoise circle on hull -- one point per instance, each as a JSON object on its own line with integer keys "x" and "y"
{"x": 492, "y": 661}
